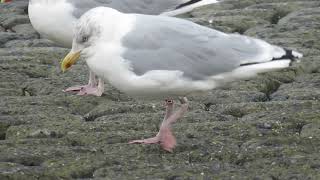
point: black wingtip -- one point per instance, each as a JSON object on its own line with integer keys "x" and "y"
{"x": 288, "y": 55}
{"x": 187, "y": 4}
{"x": 248, "y": 64}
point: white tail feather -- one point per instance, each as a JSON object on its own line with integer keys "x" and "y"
{"x": 297, "y": 54}
{"x": 248, "y": 71}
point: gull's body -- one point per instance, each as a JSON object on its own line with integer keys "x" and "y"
{"x": 55, "y": 19}
{"x": 155, "y": 57}
{"x": 198, "y": 59}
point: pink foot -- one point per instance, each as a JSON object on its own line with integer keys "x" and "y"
{"x": 90, "y": 91}
{"x": 153, "y": 140}
{"x": 74, "y": 88}
{"x": 168, "y": 141}
{"x": 85, "y": 90}
{"x": 165, "y": 138}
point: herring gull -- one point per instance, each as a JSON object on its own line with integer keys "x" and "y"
{"x": 55, "y": 19}
{"x": 160, "y": 57}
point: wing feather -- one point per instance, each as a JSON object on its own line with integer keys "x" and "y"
{"x": 163, "y": 43}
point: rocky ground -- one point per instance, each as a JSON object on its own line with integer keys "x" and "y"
{"x": 264, "y": 128}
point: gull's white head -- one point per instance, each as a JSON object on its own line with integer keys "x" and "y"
{"x": 89, "y": 29}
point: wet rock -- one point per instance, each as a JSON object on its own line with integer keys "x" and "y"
{"x": 263, "y": 128}
{"x": 304, "y": 88}
{"x": 44, "y": 133}
{"x": 24, "y": 29}
{"x": 7, "y": 36}
{"x": 312, "y": 65}
{"x": 30, "y": 43}
{"x": 18, "y": 7}
{"x": 12, "y": 21}
{"x": 2, "y": 29}
{"x": 311, "y": 130}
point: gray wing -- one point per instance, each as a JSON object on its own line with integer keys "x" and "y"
{"x": 127, "y": 6}
{"x": 174, "y": 44}
{"x": 153, "y": 7}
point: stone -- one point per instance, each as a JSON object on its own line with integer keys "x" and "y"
{"x": 24, "y": 29}
{"x": 266, "y": 127}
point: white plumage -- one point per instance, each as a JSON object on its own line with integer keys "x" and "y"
{"x": 55, "y": 20}
{"x": 163, "y": 57}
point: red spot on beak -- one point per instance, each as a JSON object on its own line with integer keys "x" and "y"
{"x": 68, "y": 65}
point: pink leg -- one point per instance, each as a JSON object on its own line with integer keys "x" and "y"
{"x": 92, "y": 82}
{"x": 95, "y": 90}
{"x": 165, "y": 136}
{"x": 154, "y": 140}
{"x": 169, "y": 109}
{"x": 91, "y": 88}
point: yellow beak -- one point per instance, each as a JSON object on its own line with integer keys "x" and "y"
{"x": 69, "y": 60}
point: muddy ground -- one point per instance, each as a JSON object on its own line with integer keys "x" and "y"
{"x": 264, "y": 128}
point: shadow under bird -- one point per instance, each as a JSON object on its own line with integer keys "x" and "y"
{"x": 160, "y": 57}
{"x": 55, "y": 19}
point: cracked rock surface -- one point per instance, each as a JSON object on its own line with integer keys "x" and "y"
{"x": 267, "y": 127}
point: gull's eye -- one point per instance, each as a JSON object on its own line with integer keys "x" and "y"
{"x": 85, "y": 39}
